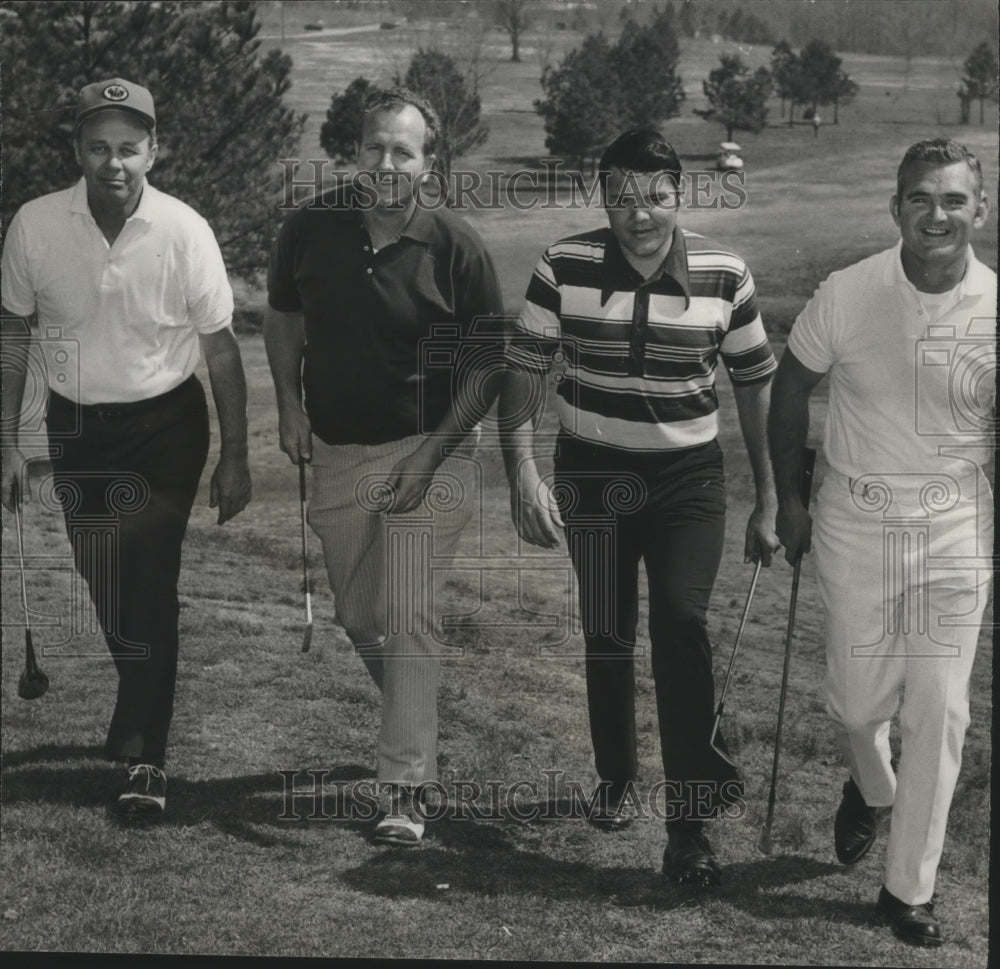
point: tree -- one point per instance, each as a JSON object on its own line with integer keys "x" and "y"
{"x": 820, "y": 75}
{"x": 455, "y": 98}
{"x": 784, "y": 74}
{"x": 581, "y": 107}
{"x": 980, "y": 81}
{"x": 812, "y": 78}
{"x": 221, "y": 118}
{"x": 844, "y": 92}
{"x": 339, "y": 133}
{"x": 512, "y": 15}
{"x": 688, "y": 20}
{"x": 645, "y": 60}
{"x": 599, "y": 89}
{"x": 737, "y": 98}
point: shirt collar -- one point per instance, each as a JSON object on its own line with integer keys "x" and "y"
{"x": 420, "y": 228}
{"x": 974, "y": 283}
{"x": 618, "y": 274}
{"x": 143, "y": 211}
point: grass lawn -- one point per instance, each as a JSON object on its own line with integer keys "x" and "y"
{"x": 232, "y": 870}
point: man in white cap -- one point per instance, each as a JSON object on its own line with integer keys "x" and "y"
{"x": 122, "y": 287}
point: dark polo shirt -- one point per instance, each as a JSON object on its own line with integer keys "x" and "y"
{"x": 386, "y": 332}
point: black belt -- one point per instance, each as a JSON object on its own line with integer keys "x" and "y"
{"x": 120, "y": 410}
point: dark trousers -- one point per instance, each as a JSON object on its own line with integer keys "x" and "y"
{"x": 127, "y": 475}
{"x": 669, "y": 511}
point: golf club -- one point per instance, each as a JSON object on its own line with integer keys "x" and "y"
{"x": 307, "y": 636}
{"x": 805, "y": 491}
{"x": 732, "y": 661}
{"x": 33, "y": 682}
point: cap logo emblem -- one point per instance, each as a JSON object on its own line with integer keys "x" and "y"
{"x": 115, "y": 92}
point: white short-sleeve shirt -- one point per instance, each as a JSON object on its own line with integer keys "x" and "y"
{"x": 116, "y": 322}
{"x": 911, "y": 381}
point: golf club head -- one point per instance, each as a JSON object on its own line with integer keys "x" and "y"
{"x": 32, "y": 685}
{"x": 718, "y": 746}
{"x": 307, "y": 638}
{"x": 764, "y": 841}
{"x": 33, "y": 682}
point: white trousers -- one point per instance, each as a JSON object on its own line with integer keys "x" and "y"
{"x": 381, "y": 569}
{"x": 903, "y": 567}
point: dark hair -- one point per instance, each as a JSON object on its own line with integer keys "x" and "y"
{"x": 397, "y": 98}
{"x": 639, "y": 150}
{"x": 939, "y": 151}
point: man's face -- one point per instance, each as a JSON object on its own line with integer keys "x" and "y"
{"x": 391, "y": 151}
{"x": 115, "y": 152}
{"x": 642, "y": 210}
{"x": 937, "y": 211}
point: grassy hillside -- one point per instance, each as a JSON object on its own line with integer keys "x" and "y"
{"x": 238, "y": 869}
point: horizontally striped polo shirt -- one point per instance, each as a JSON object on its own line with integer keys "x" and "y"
{"x": 640, "y": 355}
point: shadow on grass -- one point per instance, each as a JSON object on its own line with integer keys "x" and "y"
{"x": 482, "y": 857}
{"x": 252, "y": 808}
{"x": 488, "y": 865}
{"x": 757, "y": 886}
{"x": 50, "y": 752}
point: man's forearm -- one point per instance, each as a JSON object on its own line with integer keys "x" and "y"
{"x": 517, "y": 413}
{"x": 285, "y": 341}
{"x": 788, "y": 431}
{"x": 229, "y": 389}
{"x": 15, "y": 346}
{"x": 752, "y": 406}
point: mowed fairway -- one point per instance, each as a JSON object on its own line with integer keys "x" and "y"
{"x": 237, "y": 868}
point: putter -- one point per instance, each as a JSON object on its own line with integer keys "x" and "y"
{"x": 33, "y": 682}
{"x": 307, "y": 636}
{"x": 729, "y": 672}
{"x": 805, "y": 491}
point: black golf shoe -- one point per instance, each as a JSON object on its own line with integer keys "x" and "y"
{"x": 855, "y": 825}
{"x": 615, "y": 810}
{"x": 915, "y": 924}
{"x": 145, "y": 794}
{"x": 688, "y": 858}
{"x": 614, "y": 820}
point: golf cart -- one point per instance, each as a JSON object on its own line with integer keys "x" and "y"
{"x": 729, "y": 159}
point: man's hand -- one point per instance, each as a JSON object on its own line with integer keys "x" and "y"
{"x": 295, "y": 434}
{"x": 794, "y": 527}
{"x": 534, "y": 509}
{"x": 761, "y": 541}
{"x": 410, "y": 478}
{"x": 13, "y": 478}
{"x": 230, "y": 487}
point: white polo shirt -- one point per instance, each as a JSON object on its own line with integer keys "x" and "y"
{"x": 912, "y": 379}
{"x": 116, "y": 322}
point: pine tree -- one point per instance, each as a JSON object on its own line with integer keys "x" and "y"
{"x": 340, "y": 131}
{"x": 600, "y": 89}
{"x": 980, "y": 81}
{"x": 582, "y": 106}
{"x": 645, "y": 59}
{"x": 455, "y": 97}
{"x": 737, "y": 98}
